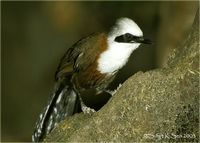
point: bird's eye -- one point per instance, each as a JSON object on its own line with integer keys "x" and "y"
{"x": 128, "y": 35}
{"x": 125, "y": 38}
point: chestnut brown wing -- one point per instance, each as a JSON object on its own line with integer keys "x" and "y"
{"x": 80, "y": 55}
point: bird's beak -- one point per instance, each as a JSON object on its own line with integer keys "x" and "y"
{"x": 143, "y": 40}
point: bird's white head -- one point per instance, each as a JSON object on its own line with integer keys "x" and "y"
{"x": 125, "y": 25}
{"x": 126, "y": 31}
{"x": 124, "y": 37}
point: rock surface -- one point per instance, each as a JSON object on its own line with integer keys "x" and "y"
{"x": 158, "y": 105}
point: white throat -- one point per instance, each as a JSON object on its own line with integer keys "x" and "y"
{"x": 117, "y": 54}
{"x": 115, "y": 57}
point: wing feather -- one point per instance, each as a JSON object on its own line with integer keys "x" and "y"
{"x": 79, "y": 56}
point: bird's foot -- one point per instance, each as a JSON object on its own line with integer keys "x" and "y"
{"x": 112, "y": 92}
{"x": 87, "y": 110}
{"x": 84, "y": 108}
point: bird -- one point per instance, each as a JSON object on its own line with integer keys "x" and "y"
{"x": 91, "y": 63}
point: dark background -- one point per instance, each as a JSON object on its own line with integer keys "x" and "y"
{"x": 35, "y": 35}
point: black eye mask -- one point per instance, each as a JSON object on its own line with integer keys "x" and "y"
{"x": 129, "y": 38}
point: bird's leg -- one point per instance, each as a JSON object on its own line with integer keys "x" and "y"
{"x": 84, "y": 108}
{"x": 112, "y": 92}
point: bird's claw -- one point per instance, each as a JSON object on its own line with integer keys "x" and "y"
{"x": 112, "y": 92}
{"x": 87, "y": 110}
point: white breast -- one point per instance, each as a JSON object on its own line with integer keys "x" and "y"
{"x": 115, "y": 57}
{"x": 117, "y": 54}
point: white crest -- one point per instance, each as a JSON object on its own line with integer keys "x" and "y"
{"x": 117, "y": 54}
{"x": 125, "y": 25}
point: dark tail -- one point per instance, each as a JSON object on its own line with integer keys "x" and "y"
{"x": 64, "y": 102}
